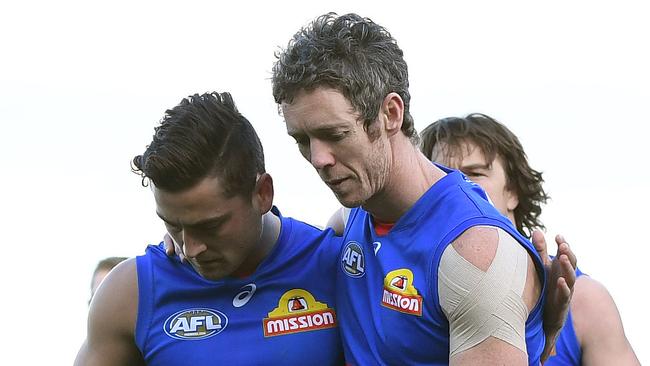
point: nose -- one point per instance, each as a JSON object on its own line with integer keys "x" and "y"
{"x": 191, "y": 246}
{"x": 320, "y": 155}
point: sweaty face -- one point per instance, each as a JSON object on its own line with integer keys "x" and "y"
{"x": 219, "y": 235}
{"x": 490, "y": 175}
{"x": 330, "y": 136}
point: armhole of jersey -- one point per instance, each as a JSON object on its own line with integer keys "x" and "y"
{"x": 144, "y": 269}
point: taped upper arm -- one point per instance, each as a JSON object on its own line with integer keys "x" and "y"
{"x": 482, "y": 281}
{"x": 111, "y": 320}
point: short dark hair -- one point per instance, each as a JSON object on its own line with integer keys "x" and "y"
{"x": 107, "y": 264}
{"x": 493, "y": 139}
{"x": 204, "y": 135}
{"x": 351, "y": 54}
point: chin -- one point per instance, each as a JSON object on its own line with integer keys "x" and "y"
{"x": 349, "y": 202}
{"x": 214, "y": 276}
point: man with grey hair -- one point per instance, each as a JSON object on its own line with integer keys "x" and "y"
{"x": 430, "y": 272}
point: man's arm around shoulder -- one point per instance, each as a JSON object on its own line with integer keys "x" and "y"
{"x": 111, "y": 321}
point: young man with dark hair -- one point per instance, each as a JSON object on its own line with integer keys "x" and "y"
{"x": 256, "y": 287}
{"x": 430, "y": 272}
{"x": 489, "y": 154}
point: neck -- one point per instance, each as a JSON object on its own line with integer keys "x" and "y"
{"x": 271, "y": 226}
{"x": 411, "y": 175}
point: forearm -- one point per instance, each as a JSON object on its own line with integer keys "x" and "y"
{"x": 549, "y": 346}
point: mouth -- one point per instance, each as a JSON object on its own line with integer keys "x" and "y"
{"x": 209, "y": 262}
{"x": 335, "y": 183}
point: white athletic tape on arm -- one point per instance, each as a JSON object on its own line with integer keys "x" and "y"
{"x": 482, "y": 304}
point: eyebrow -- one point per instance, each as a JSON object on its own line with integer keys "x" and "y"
{"x": 319, "y": 130}
{"x": 326, "y": 129}
{"x": 475, "y": 166}
{"x": 204, "y": 222}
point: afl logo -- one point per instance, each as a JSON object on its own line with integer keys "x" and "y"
{"x": 353, "y": 261}
{"x": 193, "y": 324}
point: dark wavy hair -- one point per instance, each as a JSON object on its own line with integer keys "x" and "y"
{"x": 204, "y": 135}
{"x": 351, "y": 54}
{"x": 494, "y": 139}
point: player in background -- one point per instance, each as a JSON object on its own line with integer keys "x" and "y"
{"x": 489, "y": 154}
{"x": 103, "y": 267}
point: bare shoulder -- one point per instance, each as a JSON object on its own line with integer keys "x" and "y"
{"x": 478, "y": 245}
{"x": 118, "y": 292}
{"x": 588, "y": 289}
{"x": 598, "y": 325}
{"x": 111, "y": 320}
{"x": 593, "y": 308}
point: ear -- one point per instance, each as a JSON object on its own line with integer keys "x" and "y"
{"x": 263, "y": 193}
{"x": 392, "y": 113}
{"x": 512, "y": 201}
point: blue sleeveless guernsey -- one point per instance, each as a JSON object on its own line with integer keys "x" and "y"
{"x": 567, "y": 347}
{"x": 387, "y": 286}
{"x": 282, "y": 314}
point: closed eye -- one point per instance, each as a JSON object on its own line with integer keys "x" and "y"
{"x": 473, "y": 174}
{"x": 336, "y": 136}
{"x": 300, "y": 139}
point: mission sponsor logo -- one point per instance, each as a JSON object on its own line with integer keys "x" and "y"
{"x": 353, "y": 262}
{"x": 298, "y": 311}
{"x": 193, "y": 324}
{"x": 400, "y": 294}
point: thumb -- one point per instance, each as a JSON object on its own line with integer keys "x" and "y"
{"x": 539, "y": 241}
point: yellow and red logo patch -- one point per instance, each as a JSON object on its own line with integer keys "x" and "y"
{"x": 400, "y": 294}
{"x": 298, "y": 311}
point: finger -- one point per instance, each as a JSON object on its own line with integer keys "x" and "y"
{"x": 539, "y": 241}
{"x": 565, "y": 248}
{"x": 568, "y": 271}
{"x": 564, "y": 292}
{"x": 172, "y": 248}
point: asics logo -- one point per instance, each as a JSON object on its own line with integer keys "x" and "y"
{"x": 244, "y": 295}
{"x": 376, "y": 246}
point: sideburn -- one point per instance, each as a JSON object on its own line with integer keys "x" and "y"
{"x": 372, "y": 129}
